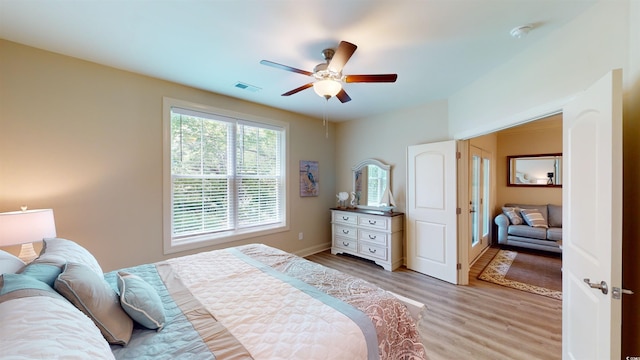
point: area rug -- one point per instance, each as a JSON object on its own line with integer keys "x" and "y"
{"x": 537, "y": 274}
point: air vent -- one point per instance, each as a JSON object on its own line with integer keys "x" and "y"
{"x": 245, "y": 86}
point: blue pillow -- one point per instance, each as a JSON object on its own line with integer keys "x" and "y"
{"x": 45, "y": 272}
{"x": 15, "y": 286}
{"x": 141, "y": 301}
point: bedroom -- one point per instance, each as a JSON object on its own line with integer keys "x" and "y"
{"x": 93, "y": 153}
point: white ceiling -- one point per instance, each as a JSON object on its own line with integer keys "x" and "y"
{"x": 435, "y": 46}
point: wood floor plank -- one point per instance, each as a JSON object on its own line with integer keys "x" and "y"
{"x": 479, "y": 321}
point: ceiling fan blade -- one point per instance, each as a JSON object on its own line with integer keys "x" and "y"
{"x": 342, "y": 55}
{"x": 343, "y": 97}
{"x": 296, "y": 90}
{"x": 371, "y": 78}
{"x": 285, "y": 67}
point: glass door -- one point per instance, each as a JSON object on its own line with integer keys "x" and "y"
{"x": 479, "y": 191}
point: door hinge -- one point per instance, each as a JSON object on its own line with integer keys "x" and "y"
{"x": 459, "y": 266}
{"x": 458, "y": 155}
{"x": 458, "y": 211}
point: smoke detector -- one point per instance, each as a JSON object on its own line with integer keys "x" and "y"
{"x": 521, "y": 31}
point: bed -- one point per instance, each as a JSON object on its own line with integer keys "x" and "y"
{"x": 252, "y": 301}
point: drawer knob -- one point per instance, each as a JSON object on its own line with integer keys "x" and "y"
{"x": 372, "y": 237}
{"x": 345, "y": 231}
{"x": 372, "y": 251}
{"x": 345, "y": 218}
{"x": 372, "y": 222}
{"x": 345, "y": 243}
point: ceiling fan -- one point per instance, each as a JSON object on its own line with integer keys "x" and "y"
{"x": 328, "y": 75}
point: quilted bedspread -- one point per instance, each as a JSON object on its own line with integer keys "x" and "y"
{"x": 258, "y": 302}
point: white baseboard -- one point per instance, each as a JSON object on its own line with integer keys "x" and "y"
{"x": 313, "y": 250}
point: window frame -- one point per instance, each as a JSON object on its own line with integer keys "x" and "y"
{"x": 204, "y": 240}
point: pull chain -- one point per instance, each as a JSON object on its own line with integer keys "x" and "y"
{"x": 325, "y": 120}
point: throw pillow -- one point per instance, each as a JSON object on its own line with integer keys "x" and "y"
{"x": 93, "y": 296}
{"x": 534, "y": 218}
{"x": 9, "y": 263}
{"x": 513, "y": 214}
{"x": 141, "y": 301}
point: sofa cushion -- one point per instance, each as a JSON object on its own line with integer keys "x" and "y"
{"x": 554, "y": 233}
{"x": 513, "y": 214}
{"x": 528, "y": 231}
{"x": 555, "y": 215}
{"x": 534, "y": 218}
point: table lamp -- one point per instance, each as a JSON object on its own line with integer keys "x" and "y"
{"x": 24, "y": 227}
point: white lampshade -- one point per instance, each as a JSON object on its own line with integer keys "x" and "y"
{"x": 327, "y": 88}
{"x": 26, "y": 227}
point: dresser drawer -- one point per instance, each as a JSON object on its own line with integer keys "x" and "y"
{"x": 380, "y": 223}
{"x": 371, "y": 250}
{"x": 345, "y": 243}
{"x": 345, "y": 231}
{"x": 345, "y": 218}
{"x": 373, "y": 237}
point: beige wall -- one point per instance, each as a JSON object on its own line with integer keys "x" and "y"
{"x": 386, "y": 137}
{"x": 533, "y": 138}
{"x": 86, "y": 140}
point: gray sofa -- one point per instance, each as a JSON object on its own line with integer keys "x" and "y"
{"x": 540, "y": 238}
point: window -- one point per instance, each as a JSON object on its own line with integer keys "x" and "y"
{"x": 224, "y": 176}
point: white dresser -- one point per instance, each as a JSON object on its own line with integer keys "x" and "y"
{"x": 368, "y": 235}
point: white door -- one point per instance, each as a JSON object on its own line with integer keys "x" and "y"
{"x": 431, "y": 210}
{"x": 592, "y": 226}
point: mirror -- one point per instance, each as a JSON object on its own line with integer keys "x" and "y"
{"x": 371, "y": 185}
{"x": 535, "y": 170}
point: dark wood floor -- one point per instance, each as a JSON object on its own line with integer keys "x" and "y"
{"x": 478, "y": 321}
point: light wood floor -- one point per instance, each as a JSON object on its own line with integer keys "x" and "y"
{"x": 478, "y": 321}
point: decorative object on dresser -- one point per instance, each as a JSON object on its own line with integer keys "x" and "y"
{"x": 370, "y": 234}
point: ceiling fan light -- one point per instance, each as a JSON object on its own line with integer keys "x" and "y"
{"x": 327, "y": 88}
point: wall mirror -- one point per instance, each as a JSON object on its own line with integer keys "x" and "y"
{"x": 535, "y": 170}
{"x": 372, "y": 185}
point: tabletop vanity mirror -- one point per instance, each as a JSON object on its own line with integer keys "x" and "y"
{"x": 372, "y": 185}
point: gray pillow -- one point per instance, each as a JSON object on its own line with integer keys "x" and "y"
{"x": 93, "y": 296}
{"x": 141, "y": 301}
{"x": 534, "y": 218}
{"x": 513, "y": 213}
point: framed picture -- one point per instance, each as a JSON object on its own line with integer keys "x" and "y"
{"x": 309, "y": 178}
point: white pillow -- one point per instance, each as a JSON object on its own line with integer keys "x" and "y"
{"x": 54, "y": 249}
{"x": 49, "y": 327}
{"x": 10, "y": 264}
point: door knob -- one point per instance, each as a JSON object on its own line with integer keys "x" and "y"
{"x": 602, "y": 286}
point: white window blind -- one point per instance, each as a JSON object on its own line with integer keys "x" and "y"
{"x": 227, "y": 175}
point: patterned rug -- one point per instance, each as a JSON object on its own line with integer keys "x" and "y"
{"x": 543, "y": 274}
